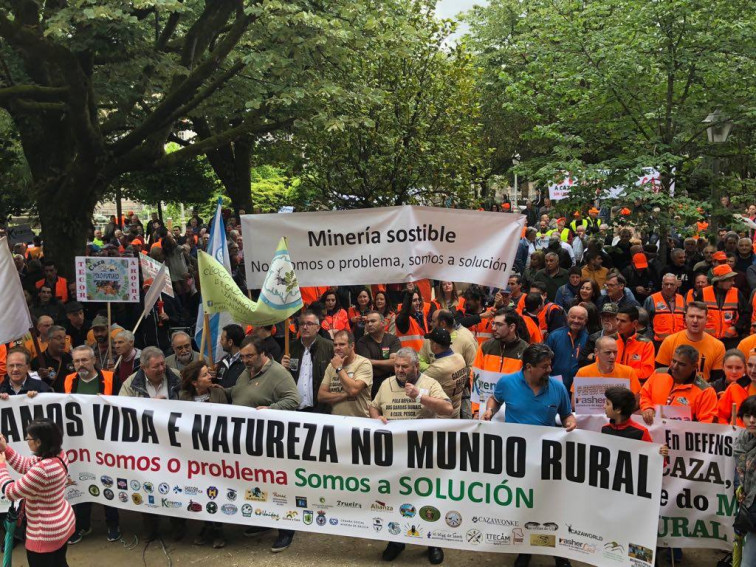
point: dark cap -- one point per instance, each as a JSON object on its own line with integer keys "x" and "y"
{"x": 74, "y": 307}
{"x": 609, "y": 309}
{"x": 100, "y": 321}
{"x": 440, "y": 336}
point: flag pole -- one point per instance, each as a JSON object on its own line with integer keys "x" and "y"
{"x": 110, "y": 342}
{"x": 286, "y": 336}
{"x": 133, "y": 331}
{"x": 208, "y": 342}
{"x": 734, "y": 415}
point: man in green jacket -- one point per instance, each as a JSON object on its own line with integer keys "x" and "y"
{"x": 264, "y": 385}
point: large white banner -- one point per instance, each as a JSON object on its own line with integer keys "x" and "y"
{"x": 698, "y": 496}
{"x": 450, "y": 483}
{"x": 386, "y": 245}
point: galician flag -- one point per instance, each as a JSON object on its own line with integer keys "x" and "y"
{"x": 218, "y": 248}
{"x": 279, "y": 298}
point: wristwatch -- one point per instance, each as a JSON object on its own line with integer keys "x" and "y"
{"x": 339, "y": 369}
{"x": 417, "y": 399}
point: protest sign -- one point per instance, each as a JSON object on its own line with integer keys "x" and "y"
{"x": 451, "y": 483}
{"x": 589, "y": 393}
{"x": 15, "y": 319}
{"x": 698, "y": 496}
{"x": 107, "y": 279}
{"x": 386, "y": 245}
{"x": 484, "y": 383}
{"x": 150, "y": 268}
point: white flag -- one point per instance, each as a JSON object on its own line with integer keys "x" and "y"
{"x": 153, "y": 294}
{"x": 15, "y": 320}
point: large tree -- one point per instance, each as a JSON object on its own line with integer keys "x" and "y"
{"x": 96, "y": 89}
{"x": 604, "y": 88}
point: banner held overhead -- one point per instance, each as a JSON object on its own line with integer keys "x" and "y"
{"x": 388, "y": 245}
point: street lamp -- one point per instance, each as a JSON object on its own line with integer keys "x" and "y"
{"x": 718, "y": 130}
{"x": 719, "y": 127}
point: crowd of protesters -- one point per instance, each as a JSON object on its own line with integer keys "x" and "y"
{"x": 590, "y": 296}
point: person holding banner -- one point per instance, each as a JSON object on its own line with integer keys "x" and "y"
{"x": 49, "y": 517}
{"x": 745, "y": 468}
{"x": 197, "y": 386}
{"x": 18, "y": 381}
{"x": 265, "y": 385}
{"x": 409, "y": 395}
{"x": 682, "y": 386}
{"x": 154, "y": 380}
{"x": 606, "y": 365}
{"x": 532, "y": 397}
{"x": 88, "y": 380}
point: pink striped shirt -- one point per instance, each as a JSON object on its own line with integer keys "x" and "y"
{"x": 49, "y": 517}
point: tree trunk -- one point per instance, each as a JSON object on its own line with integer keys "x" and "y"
{"x": 65, "y": 212}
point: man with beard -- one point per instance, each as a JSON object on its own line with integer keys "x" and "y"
{"x": 533, "y": 398}
{"x": 54, "y": 362}
{"x": 264, "y": 385}
{"x": 78, "y": 326}
{"x": 409, "y": 395}
{"x": 88, "y": 380}
{"x": 101, "y": 341}
{"x": 181, "y": 343}
{"x": 681, "y": 386}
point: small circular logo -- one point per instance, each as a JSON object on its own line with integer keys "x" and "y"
{"x": 106, "y": 481}
{"x": 407, "y": 510}
{"x": 149, "y": 488}
{"x": 453, "y": 519}
{"x": 107, "y": 493}
{"x": 394, "y": 528}
{"x": 211, "y": 507}
{"x": 94, "y": 490}
{"x": 163, "y": 488}
{"x": 474, "y": 536}
{"x": 429, "y": 514}
{"x": 136, "y": 498}
{"x": 135, "y": 485}
{"x": 123, "y": 497}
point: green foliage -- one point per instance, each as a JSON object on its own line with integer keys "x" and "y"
{"x": 15, "y": 178}
{"x": 615, "y": 86}
{"x": 402, "y": 123}
{"x": 272, "y": 188}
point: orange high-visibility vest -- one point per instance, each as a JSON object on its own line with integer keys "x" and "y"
{"x": 106, "y": 385}
{"x": 667, "y": 322}
{"x": 61, "y": 289}
{"x": 720, "y": 322}
{"x": 414, "y": 336}
{"x": 482, "y": 331}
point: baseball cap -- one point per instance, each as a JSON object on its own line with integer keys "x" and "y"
{"x": 74, "y": 307}
{"x": 440, "y": 336}
{"x": 625, "y": 211}
{"x": 610, "y": 309}
{"x": 100, "y": 321}
{"x": 719, "y": 256}
{"x": 593, "y": 211}
{"x": 640, "y": 261}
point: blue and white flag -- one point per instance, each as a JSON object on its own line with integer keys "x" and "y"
{"x": 217, "y": 247}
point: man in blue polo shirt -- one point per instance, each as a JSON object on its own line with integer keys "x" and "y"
{"x": 532, "y": 397}
{"x": 567, "y": 343}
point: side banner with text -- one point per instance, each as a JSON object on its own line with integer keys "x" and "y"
{"x": 698, "y": 496}
{"x": 450, "y": 483}
{"x": 386, "y": 245}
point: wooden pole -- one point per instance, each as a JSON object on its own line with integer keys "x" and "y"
{"x": 110, "y": 342}
{"x": 203, "y": 340}
{"x": 286, "y": 336}
{"x": 208, "y": 341}
{"x": 133, "y": 331}
{"x": 734, "y": 414}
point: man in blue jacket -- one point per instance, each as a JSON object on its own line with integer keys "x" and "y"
{"x": 567, "y": 342}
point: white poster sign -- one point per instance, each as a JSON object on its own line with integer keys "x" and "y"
{"x": 698, "y": 493}
{"x": 150, "y": 269}
{"x": 451, "y": 483}
{"x": 589, "y": 393}
{"x": 386, "y": 245}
